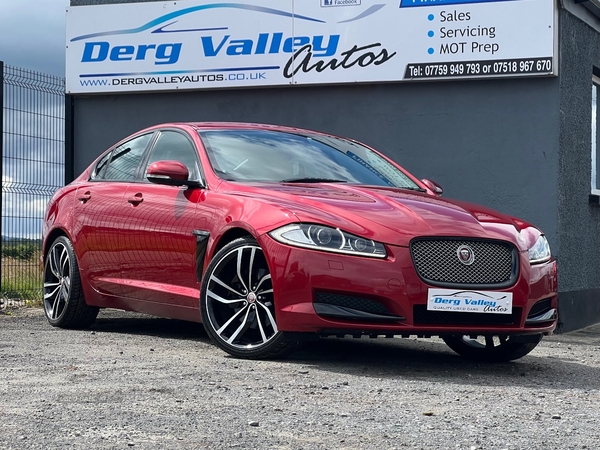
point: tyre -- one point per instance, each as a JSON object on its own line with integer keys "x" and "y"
{"x": 491, "y": 348}
{"x": 64, "y": 304}
{"x": 237, "y": 303}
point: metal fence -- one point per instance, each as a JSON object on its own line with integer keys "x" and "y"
{"x": 32, "y": 122}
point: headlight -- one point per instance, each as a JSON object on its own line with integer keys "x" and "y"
{"x": 328, "y": 239}
{"x": 540, "y": 252}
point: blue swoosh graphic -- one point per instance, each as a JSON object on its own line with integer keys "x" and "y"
{"x": 192, "y": 9}
{"x": 471, "y": 292}
{"x": 162, "y": 29}
{"x": 372, "y": 10}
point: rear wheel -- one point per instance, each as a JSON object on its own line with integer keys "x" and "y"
{"x": 237, "y": 303}
{"x": 64, "y": 304}
{"x": 491, "y": 348}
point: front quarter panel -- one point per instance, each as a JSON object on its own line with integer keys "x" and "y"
{"x": 527, "y": 238}
{"x": 255, "y": 216}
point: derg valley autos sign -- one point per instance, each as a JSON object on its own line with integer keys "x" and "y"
{"x": 196, "y": 44}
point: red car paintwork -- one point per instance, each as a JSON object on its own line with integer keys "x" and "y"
{"x": 136, "y": 250}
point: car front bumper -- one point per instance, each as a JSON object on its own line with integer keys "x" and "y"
{"x": 303, "y": 278}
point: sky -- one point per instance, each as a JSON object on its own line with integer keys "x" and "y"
{"x": 32, "y": 34}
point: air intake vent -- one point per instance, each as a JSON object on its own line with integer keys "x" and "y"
{"x": 540, "y": 308}
{"x": 356, "y": 303}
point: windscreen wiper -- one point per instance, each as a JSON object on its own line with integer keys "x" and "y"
{"x": 312, "y": 180}
{"x": 418, "y": 189}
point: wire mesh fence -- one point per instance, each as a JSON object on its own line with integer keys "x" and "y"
{"x": 33, "y": 130}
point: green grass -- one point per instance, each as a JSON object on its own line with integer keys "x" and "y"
{"x": 24, "y": 251}
{"x": 22, "y": 279}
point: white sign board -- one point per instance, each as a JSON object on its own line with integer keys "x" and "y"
{"x": 469, "y": 301}
{"x": 197, "y": 44}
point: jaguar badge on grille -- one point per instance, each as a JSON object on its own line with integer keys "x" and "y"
{"x": 465, "y": 255}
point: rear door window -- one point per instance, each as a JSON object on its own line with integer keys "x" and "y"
{"x": 98, "y": 172}
{"x": 126, "y": 159}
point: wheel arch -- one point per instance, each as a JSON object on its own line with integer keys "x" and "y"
{"x": 55, "y": 233}
{"x": 230, "y": 235}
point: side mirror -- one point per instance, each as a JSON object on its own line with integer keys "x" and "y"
{"x": 171, "y": 173}
{"x": 433, "y": 186}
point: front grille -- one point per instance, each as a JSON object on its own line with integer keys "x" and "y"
{"x": 357, "y": 303}
{"x": 540, "y": 308}
{"x": 422, "y": 316}
{"x": 437, "y": 263}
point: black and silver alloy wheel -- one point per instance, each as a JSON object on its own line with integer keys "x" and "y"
{"x": 237, "y": 303}
{"x": 64, "y": 304}
{"x": 492, "y": 348}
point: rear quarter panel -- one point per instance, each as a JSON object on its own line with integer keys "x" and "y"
{"x": 59, "y": 216}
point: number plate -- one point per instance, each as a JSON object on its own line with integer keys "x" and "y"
{"x": 487, "y": 302}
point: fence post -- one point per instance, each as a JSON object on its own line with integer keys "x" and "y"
{"x": 1, "y": 123}
{"x": 69, "y": 139}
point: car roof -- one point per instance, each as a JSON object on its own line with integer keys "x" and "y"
{"x": 202, "y": 126}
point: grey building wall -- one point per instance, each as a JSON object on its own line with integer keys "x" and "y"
{"x": 578, "y": 220}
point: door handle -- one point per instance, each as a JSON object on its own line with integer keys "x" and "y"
{"x": 85, "y": 196}
{"x": 136, "y": 199}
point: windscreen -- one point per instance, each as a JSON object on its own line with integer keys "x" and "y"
{"x": 275, "y": 156}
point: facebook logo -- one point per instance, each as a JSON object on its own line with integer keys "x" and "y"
{"x": 325, "y": 3}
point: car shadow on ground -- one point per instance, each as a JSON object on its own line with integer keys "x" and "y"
{"x": 141, "y": 324}
{"x": 432, "y": 360}
{"x": 388, "y": 358}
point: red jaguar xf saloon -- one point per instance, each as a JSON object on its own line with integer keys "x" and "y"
{"x": 271, "y": 235}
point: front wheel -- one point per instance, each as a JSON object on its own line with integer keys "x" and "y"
{"x": 491, "y": 348}
{"x": 237, "y": 303}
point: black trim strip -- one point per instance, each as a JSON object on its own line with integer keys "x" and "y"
{"x": 341, "y": 312}
{"x": 201, "y": 243}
